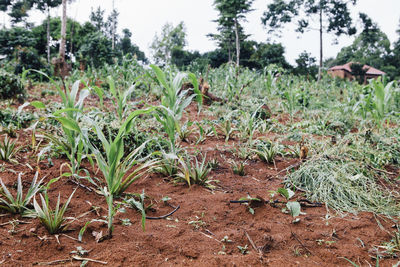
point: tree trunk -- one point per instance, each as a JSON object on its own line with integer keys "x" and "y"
{"x": 320, "y": 43}
{"x": 237, "y": 42}
{"x": 113, "y": 29}
{"x": 48, "y": 34}
{"x": 61, "y": 68}
{"x": 63, "y": 30}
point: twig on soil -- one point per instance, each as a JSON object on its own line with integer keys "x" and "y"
{"x": 164, "y": 216}
{"x": 252, "y": 243}
{"x": 52, "y": 262}
{"x": 14, "y": 221}
{"x": 87, "y": 259}
{"x": 380, "y": 225}
{"x": 70, "y": 237}
{"x": 58, "y": 240}
{"x": 380, "y": 170}
{"x": 210, "y": 237}
{"x": 80, "y": 185}
{"x": 301, "y": 243}
{"x": 288, "y": 168}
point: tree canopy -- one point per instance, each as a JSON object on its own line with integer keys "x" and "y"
{"x": 231, "y": 13}
{"x": 171, "y": 38}
{"x": 332, "y": 16}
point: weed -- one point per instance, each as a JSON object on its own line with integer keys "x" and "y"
{"x": 267, "y": 152}
{"x": 168, "y": 165}
{"x": 213, "y": 163}
{"x": 342, "y": 178}
{"x": 140, "y": 206}
{"x": 244, "y": 250}
{"x": 8, "y": 149}
{"x": 196, "y": 173}
{"x": 53, "y": 220}
{"x": 227, "y": 129}
{"x": 185, "y": 131}
{"x": 239, "y": 167}
{"x": 226, "y": 239}
{"x": 19, "y": 204}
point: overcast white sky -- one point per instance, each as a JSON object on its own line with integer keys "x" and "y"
{"x": 146, "y": 17}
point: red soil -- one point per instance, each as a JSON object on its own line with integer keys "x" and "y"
{"x": 192, "y": 236}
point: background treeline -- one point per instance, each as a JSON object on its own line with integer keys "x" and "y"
{"x": 96, "y": 42}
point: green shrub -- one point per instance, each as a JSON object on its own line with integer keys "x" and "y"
{"x": 10, "y": 86}
{"x": 14, "y": 117}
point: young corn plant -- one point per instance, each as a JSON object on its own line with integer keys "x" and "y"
{"x": 120, "y": 98}
{"x": 251, "y": 125}
{"x": 173, "y": 102}
{"x": 19, "y": 204}
{"x": 53, "y": 220}
{"x": 140, "y": 206}
{"x": 269, "y": 78}
{"x": 381, "y": 100}
{"x": 8, "y": 150}
{"x": 75, "y": 148}
{"x": 116, "y": 168}
{"x": 291, "y": 96}
{"x": 204, "y": 131}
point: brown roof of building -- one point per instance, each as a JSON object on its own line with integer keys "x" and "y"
{"x": 347, "y": 67}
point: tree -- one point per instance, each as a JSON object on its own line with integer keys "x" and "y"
{"x": 17, "y": 9}
{"x": 18, "y": 45}
{"x": 182, "y": 58}
{"x": 306, "y": 64}
{"x": 231, "y": 12}
{"x": 371, "y": 47}
{"x": 15, "y": 38}
{"x": 216, "y": 57}
{"x": 267, "y": 54}
{"x": 61, "y": 68}
{"x": 359, "y": 72}
{"x": 97, "y": 19}
{"x": 394, "y": 59}
{"x": 171, "y": 38}
{"x": 108, "y": 27}
{"x": 333, "y": 16}
{"x": 226, "y": 40}
{"x": 45, "y": 5}
{"x": 97, "y": 49}
{"x": 126, "y": 47}
{"x": 63, "y": 29}
{"x": 112, "y": 22}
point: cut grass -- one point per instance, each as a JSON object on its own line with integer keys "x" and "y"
{"x": 341, "y": 179}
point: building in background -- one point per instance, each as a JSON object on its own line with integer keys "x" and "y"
{"x": 347, "y": 72}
